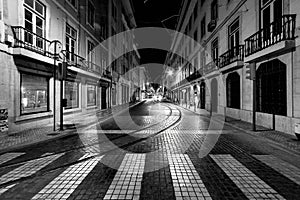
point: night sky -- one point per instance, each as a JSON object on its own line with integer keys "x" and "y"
{"x": 151, "y": 13}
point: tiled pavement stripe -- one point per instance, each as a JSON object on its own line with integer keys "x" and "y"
{"x": 92, "y": 131}
{"x": 252, "y": 186}
{"x": 28, "y": 169}
{"x": 288, "y": 170}
{"x": 127, "y": 181}
{"x": 186, "y": 180}
{"x": 2, "y": 190}
{"x": 9, "y": 156}
{"x": 66, "y": 183}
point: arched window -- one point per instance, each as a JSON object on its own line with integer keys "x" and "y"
{"x": 233, "y": 90}
{"x": 271, "y": 88}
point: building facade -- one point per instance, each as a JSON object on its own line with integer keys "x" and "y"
{"x": 37, "y": 36}
{"x": 234, "y": 35}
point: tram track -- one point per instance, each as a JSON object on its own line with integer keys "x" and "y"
{"x": 81, "y": 149}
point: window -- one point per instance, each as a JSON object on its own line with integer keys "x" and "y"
{"x": 271, "y": 11}
{"x": 91, "y": 14}
{"x": 215, "y": 51}
{"x": 91, "y": 95}
{"x": 196, "y": 11}
{"x": 72, "y": 94}
{"x": 271, "y": 88}
{"x": 91, "y": 53}
{"x": 234, "y": 38}
{"x": 34, "y": 23}
{"x": 103, "y": 27}
{"x": 233, "y": 90}
{"x": 34, "y": 94}
{"x": 202, "y": 59}
{"x": 1, "y": 10}
{"x": 203, "y": 27}
{"x": 196, "y": 36}
{"x": 214, "y": 10}
{"x": 196, "y": 67}
{"x": 114, "y": 11}
{"x": 71, "y": 38}
{"x": 73, "y": 3}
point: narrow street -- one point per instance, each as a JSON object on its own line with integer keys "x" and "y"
{"x": 151, "y": 151}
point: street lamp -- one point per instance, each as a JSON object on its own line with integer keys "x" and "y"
{"x": 56, "y": 43}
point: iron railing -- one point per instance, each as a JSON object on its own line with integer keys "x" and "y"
{"x": 232, "y": 55}
{"x": 194, "y": 76}
{"x": 27, "y": 39}
{"x": 77, "y": 61}
{"x": 279, "y": 30}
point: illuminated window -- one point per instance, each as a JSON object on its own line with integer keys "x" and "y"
{"x": 72, "y": 94}
{"x": 91, "y": 95}
{"x": 34, "y": 94}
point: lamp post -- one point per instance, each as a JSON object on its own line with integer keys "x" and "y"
{"x": 55, "y": 57}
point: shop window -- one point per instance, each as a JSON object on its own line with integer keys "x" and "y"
{"x": 34, "y": 94}
{"x": 271, "y": 88}
{"x": 91, "y": 95}
{"x": 72, "y": 94}
{"x": 233, "y": 90}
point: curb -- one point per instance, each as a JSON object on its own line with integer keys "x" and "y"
{"x": 249, "y": 132}
{"x": 63, "y": 134}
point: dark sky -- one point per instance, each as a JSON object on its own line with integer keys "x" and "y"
{"x": 151, "y": 13}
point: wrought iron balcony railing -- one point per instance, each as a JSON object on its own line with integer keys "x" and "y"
{"x": 77, "y": 61}
{"x": 279, "y": 30}
{"x": 29, "y": 40}
{"x": 194, "y": 76}
{"x": 232, "y": 55}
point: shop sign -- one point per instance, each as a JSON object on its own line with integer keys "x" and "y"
{"x": 3, "y": 120}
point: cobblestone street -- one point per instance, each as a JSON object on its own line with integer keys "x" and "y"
{"x": 151, "y": 151}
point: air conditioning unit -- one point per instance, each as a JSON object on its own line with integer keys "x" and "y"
{"x": 211, "y": 25}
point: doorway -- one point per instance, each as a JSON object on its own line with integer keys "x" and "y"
{"x": 103, "y": 98}
{"x": 202, "y": 95}
{"x": 214, "y": 95}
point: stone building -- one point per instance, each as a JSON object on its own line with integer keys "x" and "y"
{"x": 233, "y": 35}
{"x": 36, "y": 37}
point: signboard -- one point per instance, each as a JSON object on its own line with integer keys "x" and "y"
{"x": 3, "y": 120}
{"x": 103, "y": 84}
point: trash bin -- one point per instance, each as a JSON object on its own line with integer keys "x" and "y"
{"x": 297, "y": 130}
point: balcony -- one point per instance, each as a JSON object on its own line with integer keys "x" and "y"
{"x": 194, "y": 76}
{"x": 211, "y": 67}
{"x": 233, "y": 55}
{"x": 277, "y": 33}
{"x": 28, "y": 40}
{"x": 79, "y": 62}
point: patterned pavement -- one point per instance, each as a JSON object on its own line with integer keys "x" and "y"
{"x": 162, "y": 166}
